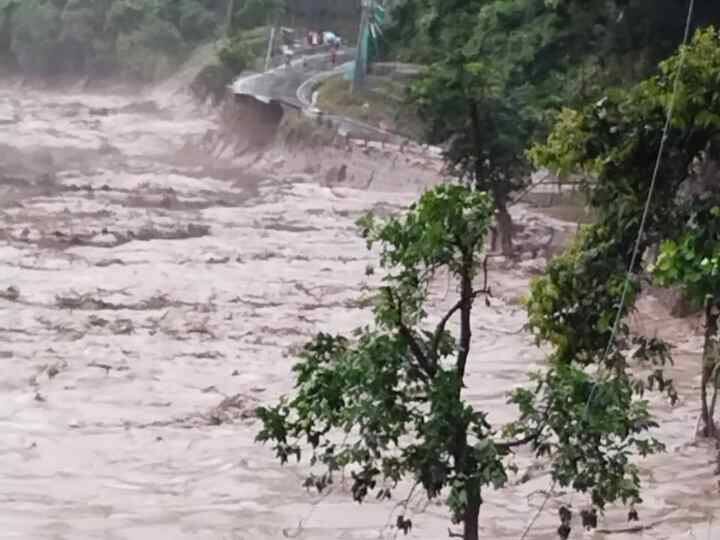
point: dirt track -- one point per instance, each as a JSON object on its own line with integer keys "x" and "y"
{"x": 149, "y": 300}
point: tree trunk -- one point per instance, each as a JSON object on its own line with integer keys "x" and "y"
{"x": 504, "y": 226}
{"x": 709, "y": 359}
{"x": 466, "y": 294}
{"x": 471, "y": 520}
{"x": 496, "y": 188}
{"x": 465, "y": 465}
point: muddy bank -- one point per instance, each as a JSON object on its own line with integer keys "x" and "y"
{"x": 135, "y": 360}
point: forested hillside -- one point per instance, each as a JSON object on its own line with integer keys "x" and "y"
{"x": 99, "y": 37}
{"x": 499, "y": 71}
{"x": 137, "y": 39}
{"x": 545, "y": 54}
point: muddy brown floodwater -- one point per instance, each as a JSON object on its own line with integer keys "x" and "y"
{"x": 149, "y": 300}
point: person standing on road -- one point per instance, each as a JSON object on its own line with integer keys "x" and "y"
{"x": 287, "y": 54}
{"x": 333, "y": 54}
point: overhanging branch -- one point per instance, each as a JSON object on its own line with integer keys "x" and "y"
{"x": 507, "y": 445}
{"x": 425, "y": 366}
{"x": 440, "y": 328}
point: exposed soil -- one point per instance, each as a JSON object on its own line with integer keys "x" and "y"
{"x": 153, "y": 287}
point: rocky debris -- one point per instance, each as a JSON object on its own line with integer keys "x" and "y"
{"x": 89, "y": 302}
{"x": 83, "y": 302}
{"x": 140, "y": 107}
{"x": 152, "y": 232}
{"x": 11, "y": 293}
{"x": 122, "y": 327}
{"x": 100, "y": 111}
{"x": 108, "y": 367}
{"x": 232, "y": 409}
{"x": 110, "y": 262}
{"x": 217, "y": 260}
{"x": 533, "y": 266}
{"x": 94, "y": 320}
{"x": 51, "y": 370}
{"x": 60, "y": 239}
{"x": 207, "y": 355}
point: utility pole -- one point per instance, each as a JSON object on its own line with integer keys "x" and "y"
{"x": 275, "y": 19}
{"x": 268, "y": 57}
{"x": 229, "y": 20}
{"x": 361, "y": 51}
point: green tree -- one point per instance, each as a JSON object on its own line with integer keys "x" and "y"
{"x": 390, "y": 401}
{"x": 151, "y": 50}
{"x": 124, "y": 16}
{"x": 501, "y": 70}
{"x": 252, "y": 13}
{"x": 576, "y": 307}
{"x": 235, "y": 55}
{"x": 464, "y": 100}
{"x": 7, "y": 7}
{"x": 693, "y": 262}
{"x": 35, "y": 36}
{"x": 196, "y": 22}
{"x": 82, "y": 24}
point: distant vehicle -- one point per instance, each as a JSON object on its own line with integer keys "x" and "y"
{"x": 332, "y": 39}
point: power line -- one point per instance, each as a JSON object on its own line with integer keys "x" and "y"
{"x": 656, "y": 170}
{"x": 643, "y": 222}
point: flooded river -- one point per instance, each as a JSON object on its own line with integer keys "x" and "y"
{"x": 150, "y": 300}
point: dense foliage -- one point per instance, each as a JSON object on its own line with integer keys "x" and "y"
{"x": 614, "y": 144}
{"x": 139, "y": 39}
{"x": 499, "y": 71}
{"x": 463, "y": 98}
{"x": 555, "y": 52}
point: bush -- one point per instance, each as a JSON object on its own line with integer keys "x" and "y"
{"x": 6, "y": 9}
{"x": 35, "y": 36}
{"x": 235, "y": 55}
{"x": 82, "y": 25}
{"x": 124, "y": 16}
{"x": 150, "y": 52}
{"x": 196, "y": 22}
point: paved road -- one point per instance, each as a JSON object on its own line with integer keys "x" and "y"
{"x": 293, "y": 86}
{"x": 282, "y": 83}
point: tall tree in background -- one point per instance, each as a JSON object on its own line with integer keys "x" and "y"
{"x": 463, "y": 98}
{"x": 501, "y": 70}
